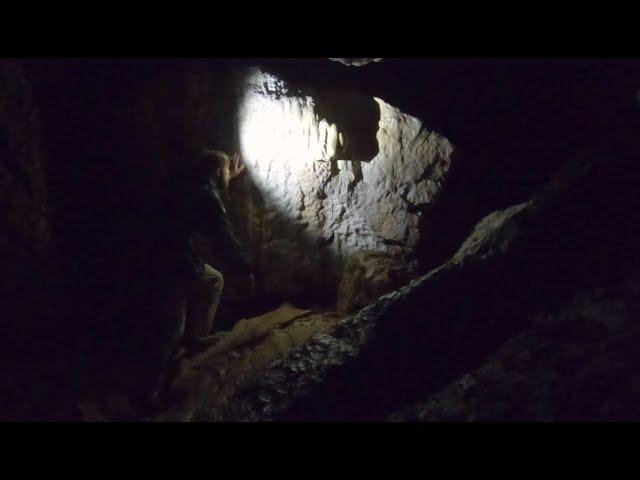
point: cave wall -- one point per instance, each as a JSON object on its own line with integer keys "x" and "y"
{"x": 556, "y": 274}
{"x": 26, "y": 263}
{"x": 144, "y": 117}
{"x": 176, "y": 115}
{"x": 24, "y": 225}
{"x": 330, "y": 172}
{"x": 513, "y": 121}
{"x": 338, "y": 172}
{"x": 114, "y": 128}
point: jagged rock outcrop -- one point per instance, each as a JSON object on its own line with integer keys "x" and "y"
{"x": 576, "y": 364}
{"x": 389, "y": 341}
{"x": 326, "y": 192}
{"x": 203, "y": 384}
{"x": 25, "y": 281}
{"x": 367, "y": 276}
{"x": 356, "y": 62}
{"x": 330, "y": 172}
{"x": 411, "y": 343}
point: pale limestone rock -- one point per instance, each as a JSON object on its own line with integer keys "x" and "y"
{"x": 368, "y": 275}
{"x": 321, "y": 205}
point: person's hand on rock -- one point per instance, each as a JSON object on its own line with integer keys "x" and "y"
{"x": 237, "y": 167}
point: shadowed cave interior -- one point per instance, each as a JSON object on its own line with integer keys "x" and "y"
{"x": 431, "y": 239}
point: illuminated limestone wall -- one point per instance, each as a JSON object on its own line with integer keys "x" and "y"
{"x": 323, "y": 198}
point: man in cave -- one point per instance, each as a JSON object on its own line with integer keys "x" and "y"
{"x": 190, "y": 206}
{"x": 202, "y": 211}
{"x": 188, "y": 288}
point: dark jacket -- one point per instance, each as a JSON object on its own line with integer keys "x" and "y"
{"x": 193, "y": 205}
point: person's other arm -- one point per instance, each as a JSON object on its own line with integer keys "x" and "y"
{"x": 218, "y": 229}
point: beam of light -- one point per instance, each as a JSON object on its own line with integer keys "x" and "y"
{"x": 326, "y": 194}
{"x": 281, "y": 138}
{"x": 349, "y": 196}
{"x": 293, "y": 158}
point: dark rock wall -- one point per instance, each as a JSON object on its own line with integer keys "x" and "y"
{"x": 24, "y": 218}
{"x": 577, "y": 363}
{"x": 532, "y": 258}
{"x": 26, "y": 265}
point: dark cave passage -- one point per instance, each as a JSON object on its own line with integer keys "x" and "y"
{"x": 360, "y": 182}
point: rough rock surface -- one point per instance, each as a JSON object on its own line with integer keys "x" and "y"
{"x": 367, "y": 276}
{"x": 356, "y": 62}
{"x": 24, "y": 248}
{"x": 576, "y": 364}
{"x": 414, "y": 342}
{"x": 377, "y": 347}
{"x": 330, "y": 173}
{"x": 206, "y": 381}
{"x": 323, "y": 198}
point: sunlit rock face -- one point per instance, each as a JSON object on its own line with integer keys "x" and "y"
{"x": 22, "y": 177}
{"x": 326, "y": 192}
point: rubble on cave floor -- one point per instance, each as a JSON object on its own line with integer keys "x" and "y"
{"x": 578, "y": 363}
{"x": 213, "y": 376}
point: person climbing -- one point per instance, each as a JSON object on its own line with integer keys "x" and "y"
{"x": 174, "y": 293}
{"x": 203, "y": 212}
{"x": 188, "y": 289}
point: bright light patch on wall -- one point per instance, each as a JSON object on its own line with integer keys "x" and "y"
{"x": 281, "y": 136}
{"x": 324, "y": 199}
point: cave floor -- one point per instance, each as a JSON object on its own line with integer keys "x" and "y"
{"x": 212, "y": 377}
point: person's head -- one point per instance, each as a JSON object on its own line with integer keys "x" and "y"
{"x": 216, "y": 165}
